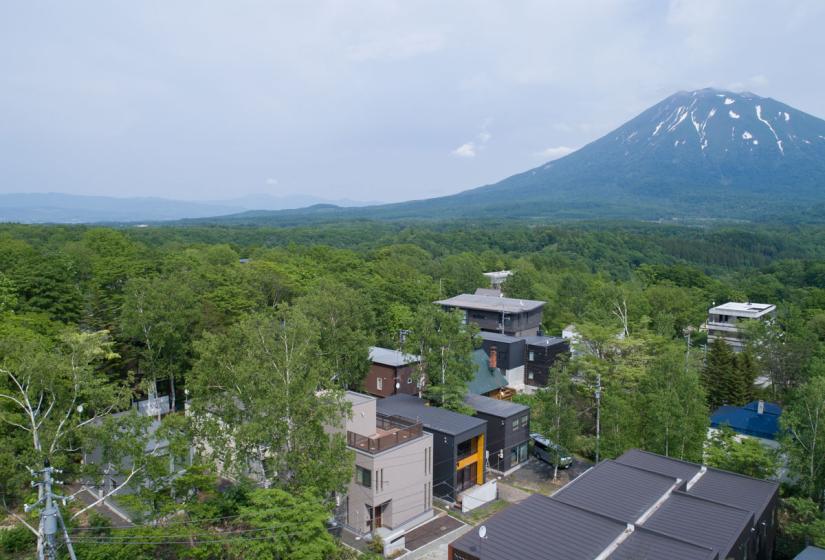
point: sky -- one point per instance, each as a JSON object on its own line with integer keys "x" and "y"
{"x": 367, "y": 100}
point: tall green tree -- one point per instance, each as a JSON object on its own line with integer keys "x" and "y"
{"x": 342, "y": 317}
{"x": 744, "y": 456}
{"x": 804, "y": 420}
{"x": 553, "y": 411}
{"x": 294, "y": 522}
{"x": 445, "y": 344}
{"x": 258, "y": 406}
{"x": 672, "y": 409}
{"x": 719, "y": 375}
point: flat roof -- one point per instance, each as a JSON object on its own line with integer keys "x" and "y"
{"x": 358, "y": 398}
{"x": 494, "y": 407}
{"x": 747, "y": 309}
{"x": 491, "y": 303}
{"x": 544, "y": 340}
{"x": 394, "y": 358}
{"x": 498, "y": 337}
{"x": 433, "y": 417}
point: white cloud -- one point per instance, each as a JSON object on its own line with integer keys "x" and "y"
{"x": 467, "y": 150}
{"x": 555, "y": 153}
{"x": 470, "y": 149}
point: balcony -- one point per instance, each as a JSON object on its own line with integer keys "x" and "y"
{"x": 391, "y": 431}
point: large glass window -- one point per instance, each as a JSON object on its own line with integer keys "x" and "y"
{"x": 363, "y": 476}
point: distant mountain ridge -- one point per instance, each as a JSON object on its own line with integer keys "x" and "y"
{"x": 68, "y": 208}
{"x": 705, "y": 154}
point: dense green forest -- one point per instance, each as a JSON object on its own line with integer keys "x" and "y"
{"x": 92, "y": 319}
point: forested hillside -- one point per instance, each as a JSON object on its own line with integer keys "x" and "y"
{"x": 93, "y": 318}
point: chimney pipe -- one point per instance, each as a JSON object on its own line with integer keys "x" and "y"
{"x": 493, "y": 357}
{"x": 760, "y": 407}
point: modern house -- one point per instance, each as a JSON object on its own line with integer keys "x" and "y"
{"x": 458, "y": 443}
{"x": 392, "y": 372}
{"x": 724, "y": 321}
{"x": 508, "y": 431}
{"x": 542, "y": 353}
{"x": 811, "y": 553}
{"x": 488, "y": 380}
{"x": 510, "y": 316}
{"x": 640, "y": 506}
{"x": 392, "y": 484}
{"x": 508, "y": 353}
{"x": 758, "y": 420}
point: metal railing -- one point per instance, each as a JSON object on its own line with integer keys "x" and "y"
{"x": 401, "y": 430}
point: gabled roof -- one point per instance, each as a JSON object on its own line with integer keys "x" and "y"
{"x": 491, "y": 303}
{"x": 616, "y": 490}
{"x": 647, "y": 545}
{"x": 433, "y": 417}
{"x": 494, "y": 407}
{"x": 392, "y": 358}
{"x": 659, "y": 463}
{"x": 544, "y": 340}
{"x": 747, "y": 420}
{"x": 538, "y": 525}
{"x": 811, "y": 553}
{"x": 486, "y": 378}
{"x": 498, "y": 337}
{"x": 700, "y": 522}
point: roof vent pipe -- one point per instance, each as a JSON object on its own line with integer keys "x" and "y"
{"x": 760, "y": 407}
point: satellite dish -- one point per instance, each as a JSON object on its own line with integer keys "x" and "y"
{"x": 482, "y": 532}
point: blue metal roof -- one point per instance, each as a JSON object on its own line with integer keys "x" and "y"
{"x": 746, "y": 419}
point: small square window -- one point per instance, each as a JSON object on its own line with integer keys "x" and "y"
{"x": 363, "y": 476}
{"x": 531, "y": 356}
{"x": 524, "y": 421}
{"x": 379, "y": 383}
{"x": 530, "y": 375}
{"x": 515, "y": 424}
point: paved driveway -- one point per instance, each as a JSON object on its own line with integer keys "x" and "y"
{"x": 537, "y": 476}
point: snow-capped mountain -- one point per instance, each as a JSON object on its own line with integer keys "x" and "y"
{"x": 695, "y": 155}
{"x": 705, "y": 153}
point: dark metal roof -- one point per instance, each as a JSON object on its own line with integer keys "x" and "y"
{"x": 700, "y": 522}
{"x": 659, "y": 463}
{"x": 494, "y": 407}
{"x": 539, "y": 528}
{"x": 433, "y": 418}
{"x": 491, "y": 303}
{"x": 498, "y": 337}
{"x": 646, "y": 545}
{"x": 544, "y": 340}
{"x": 618, "y": 491}
{"x": 737, "y": 490}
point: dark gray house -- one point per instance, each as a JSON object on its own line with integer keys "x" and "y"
{"x": 508, "y": 430}
{"x": 510, "y": 316}
{"x": 640, "y": 506}
{"x": 458, "y": 443}
{"x": 542, "y": 353}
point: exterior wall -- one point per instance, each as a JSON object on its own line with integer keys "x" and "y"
{"x": 401, "y": 477}
{"x": 404, "y": 375}
{"x": 509, "y": 355}
{"x": 363, "y": 418}
{"x": 515, "y": 377}
{"x": 515, "y": 324}
{"x": 543, "y": 359}
{"x": 502, "y": 438}
{"x": 446, "y": 461}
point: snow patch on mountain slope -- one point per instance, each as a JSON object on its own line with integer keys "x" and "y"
{"x": 733, "y": 114}
{"x": 729, "y": 101}
{"x": 778, "y": 141}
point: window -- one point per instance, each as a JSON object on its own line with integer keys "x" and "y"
{"x": 524, "y": 421}
{"x": 409, "y": 381}
{"x": 363, "y": 476}
{"x": 379, "y": 383}
{"x": 530, "y": 375}
{"x": 531, "y": 356}
{"x": 515, "y": 424}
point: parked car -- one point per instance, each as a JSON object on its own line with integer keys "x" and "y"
{"x": 550, "y": 452}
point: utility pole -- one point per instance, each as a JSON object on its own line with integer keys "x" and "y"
{"x": 50, "y": 514}
{"x": 598, "y": 414}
